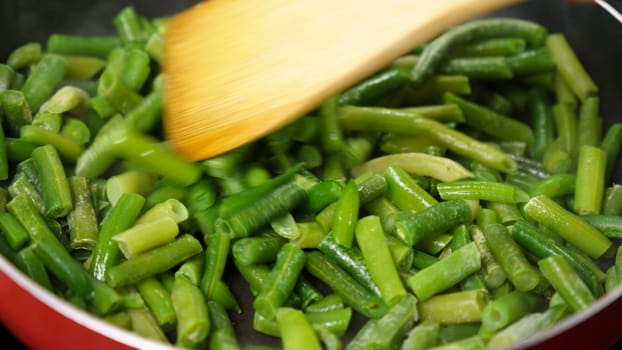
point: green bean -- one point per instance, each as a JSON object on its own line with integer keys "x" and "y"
{"x": 493, "y": 47}
{"x": 404, "y": 192}
{"x": 402, "y": 254}
{"x": 590, "y": 183}
{"x": 507, "y": 213}
{"x": 154, "y": 261}
{"x": 16, "y": 110}
{"x": 454, "y": 307}
{"x": 192, "y": 268}
{"x": 43, "y": 79}
{"x": 322, "y": 194}
{"x": 523, "y": 276}
{"x": 555, "y": 185}
{"x": 412, "y": 227}
{"x": 28, "y": 261}
{"x": 158, "y": 299}
{"x": 612, "y": 202}
{"x": 349, "y": 259}
{"x": 346, "y": 213}
{"x": 531, "y": 62}
{"x": 20, "y": 184}
{"x": 136, "y": 69}
{"x": 18, "y": 149}
{"x": 145, "y": 324}
{"x": 216, "y": 254}
{"x": 83, "y": 68}
{"x": 6, "y": 77}
{"x": 482, "y": 68}
{"x": 67, "y": 99}
{"x": 114, "y": 89}
{"x": 331, "y": 133}
{"x": 119, "y": 140}
{"x": 222, "y": 335}
{"x": 389, "y": 330}
{"x": 527, "y": 327}
{"x": 470, "y": 32}
{"x": 541, "y": 122}
{"x": 67, "y": 148}
{"x": 377, "y": 256}
{"x": 422, "y": 336}
{"x": 119, "y": 218}
{"x": 245, "y": 212}
{"x": 24, "y": 56}
{"x": 370, "y": 90}
{"x": 98, "y": 46}
{"x": 415, "y": 163}
{"x": 296, "y": 331}
{"x": 257, "y": 250}
{"x": 145, "y": 115}
{"x": 432, "y": 90}
{"x": 566, "y": 282}
{"x": 609, "y": 225}
{"x": 571, "y": 227}
{"x": 49, "y": 249}
{"x": 492, "y": 272}
{"x": 446, "y": 272}
{"x": 82, "y": 219}
{"x": 562, "y": 91}
{"x": 368, "y": 119}
{"x": 441, "y": 112}
{"x": 481, "y": 190}
{"x": 590, "y": 123}
{"x": 353, "y": 294}
{"x": 281, "y": 281}
{"x": 569, "y": 67}
{"x": 542, "y": 246}
{"x": 507, "y": 309}
{"x": 15, "y": 234}
{"x": 193, "y": 322}
{"x": 55, "y": 188}
{"x": 491, "y": 123}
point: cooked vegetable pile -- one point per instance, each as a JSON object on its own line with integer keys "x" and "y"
{"x": 458, "y": 198}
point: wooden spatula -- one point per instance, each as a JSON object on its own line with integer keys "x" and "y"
{"x": 239, "y": 69}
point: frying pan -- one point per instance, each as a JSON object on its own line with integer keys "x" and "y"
{"x": 41, "y": 320}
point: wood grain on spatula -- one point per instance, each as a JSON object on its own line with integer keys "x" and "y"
{"x": 240, "y": 69}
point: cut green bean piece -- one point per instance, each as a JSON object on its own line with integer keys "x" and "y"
{"x": 523, "y": 276}
{"x": 49, "y": 248}
{"x": 370, "y": 237}
{"x": 55, "y": 188}
{"x": 346, "y": 214}
{"x": 193, "y": 323}
{"x": 455, "y": 307}
{"x": 590, "y": 183}
{"x": 352, "y": 293}
{"x": 17, "y": 112}
{"x": 571, "y": 227}
{"x": 82, "y": 219}
{"x": 481, "y": 190}
{"x": 491, "y": 123}
{"x": 13, "y": 231}
{"x": 413, "y": 227}
{"x": 566, "y": 282}
{"x": 446, "y": 272}
{"x": 28, "y": 261}
{"x": 458, "y": 36}
{"x": 569, "y": 67}
{"x": 154, "y": 261}
{"x": 43, "y": 79}
{"x": 404, "y": 192}
{"x": 296, "y": 331}
{"x": 415, "y": 163}
{"x": 507, "y": 309}
{"x": 281, "y": 281}
{"x": 98, "y": 46}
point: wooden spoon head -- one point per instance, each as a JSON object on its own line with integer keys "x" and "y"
{"x": 239, "y": 69}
